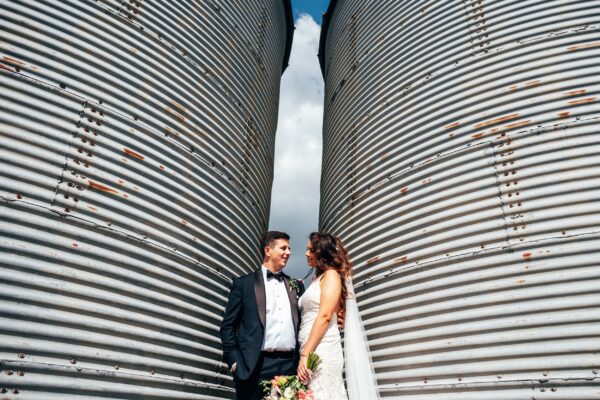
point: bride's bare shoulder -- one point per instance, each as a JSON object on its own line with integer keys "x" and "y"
{"x": 330, "y": 278}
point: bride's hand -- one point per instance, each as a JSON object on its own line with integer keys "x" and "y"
{"x": 303, "y": 372}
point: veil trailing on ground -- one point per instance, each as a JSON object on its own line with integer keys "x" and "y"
{"x": 360, "y": 376}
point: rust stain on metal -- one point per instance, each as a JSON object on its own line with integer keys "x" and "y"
{"x": 171, "y": 131}
{"x": 75, "y": 245}
{"x": 162, "y": 167}
{"x": 575, "y": 92}
{"x": 564, "y": 114}
{"x": 178, "y": 106}
{"x": 126, "y": 196}
{"x": 98, "y": 186}
{"x": 496, "y": 120}
{"x": 513, "y": 88}
{"x": 92, "y": 208}
{"x": 526, "y": 255}
{"x": 582, "y": 101}
{"x": 583, "y": 46}
{"x": 533, "y": 83}
{"x": 184, "y": 222}
{"x": 175, "y": 114}
{"x": 478, "y": 135}
{"x": 452, "y": 125}
{"x": 404, "y": 189}
{"x": 517, "y": 124}
{"x": 402, "y": 259}
{"x": 521, "y": 281}
{"x": 13, "y": 61}
{"x": 133, "y": 153}
{"x": 2, "y": 66}
{"x": 133, "y": 50}
{"x": 372, "y": 260}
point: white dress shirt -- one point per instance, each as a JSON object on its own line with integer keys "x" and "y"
{"x": 279, "y": 332}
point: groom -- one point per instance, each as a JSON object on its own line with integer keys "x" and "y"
{"x": 260, "y": 325}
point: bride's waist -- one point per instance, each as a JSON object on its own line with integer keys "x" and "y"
{"x": 332, "y": 329}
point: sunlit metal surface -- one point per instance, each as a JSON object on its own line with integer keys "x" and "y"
{"x": 460, "y": 166}
{"x": 136, "y": 154}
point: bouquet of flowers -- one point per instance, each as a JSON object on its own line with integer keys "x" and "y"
{"x": 290, "y": 387}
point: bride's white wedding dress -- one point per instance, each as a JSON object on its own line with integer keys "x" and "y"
{"x": 326, "y": 383}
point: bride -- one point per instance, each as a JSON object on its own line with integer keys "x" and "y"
{"x": 330, "y": 295}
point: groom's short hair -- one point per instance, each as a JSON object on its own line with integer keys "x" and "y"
{"x": 269, "y": 237}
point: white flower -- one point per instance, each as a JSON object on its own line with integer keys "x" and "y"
{"x": 288, "y": 393}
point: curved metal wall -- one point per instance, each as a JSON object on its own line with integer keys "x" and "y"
{"x": 136, "y": 155}
{"x": 460, "y": 166}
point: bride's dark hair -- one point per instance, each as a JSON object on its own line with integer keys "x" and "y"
{"x": 331, "y": 254}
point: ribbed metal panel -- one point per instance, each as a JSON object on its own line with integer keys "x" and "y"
{"x": 136, "y": 156}
{"x": 460, "y": 166}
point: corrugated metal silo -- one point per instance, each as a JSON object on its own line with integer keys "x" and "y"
{"x": 136, "y": 155}
{"x": 460, "y": 166}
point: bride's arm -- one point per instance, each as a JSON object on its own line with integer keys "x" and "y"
{"x": 331, "y": 290}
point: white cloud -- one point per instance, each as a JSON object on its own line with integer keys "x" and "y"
{"x": 295, "y": 196}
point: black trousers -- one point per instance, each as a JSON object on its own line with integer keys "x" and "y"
{"x": 269, "y": 365}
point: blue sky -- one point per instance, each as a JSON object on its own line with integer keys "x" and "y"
{"x": 315, "y": 8}
{"x": 295, "y": 194}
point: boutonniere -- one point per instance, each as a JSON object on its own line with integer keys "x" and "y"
{"x": 293, "y": 284}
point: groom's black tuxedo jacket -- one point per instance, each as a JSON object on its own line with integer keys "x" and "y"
{"x": 243, "y": 327}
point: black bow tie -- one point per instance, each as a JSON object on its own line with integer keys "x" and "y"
{"x": 276, "y": 275}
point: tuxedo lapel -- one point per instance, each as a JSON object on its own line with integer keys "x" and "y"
{"x": 261, "y": 298}
{"x": 292, "y": 295}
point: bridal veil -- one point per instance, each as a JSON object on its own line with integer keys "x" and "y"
{"x": 360, "y": 376}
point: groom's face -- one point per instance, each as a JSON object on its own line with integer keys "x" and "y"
{"x": 279, "y": 252}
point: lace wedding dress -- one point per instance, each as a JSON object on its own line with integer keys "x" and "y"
{"x": 326, "y": 382}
